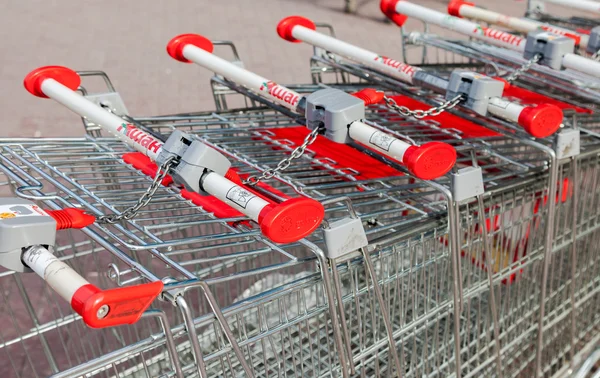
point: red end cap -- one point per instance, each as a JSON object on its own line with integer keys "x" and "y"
{"x": 542, "y": 120}
{"x": 454, "y": 7}
{"x": 291, "y": 220}
{"x": 71, "y": 218}
{"x": 125, "y": 305}
{"x": 285, "y": 27}
{"x": 176, "y": 45}
{"x": 369, "y": 96}
{"x": 388, "y": 7}
{"x": 430, "y": 160}
{"x": 66, "y": 76}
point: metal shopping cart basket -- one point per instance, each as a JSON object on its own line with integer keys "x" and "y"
{"x": 221, "y": 94}
{"x": 589, "y": 157}
{"x": 326, "y": 66}
{"x": 274, "y": 300}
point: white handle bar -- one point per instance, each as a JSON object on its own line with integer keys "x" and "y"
{"x": 461, "y": 8}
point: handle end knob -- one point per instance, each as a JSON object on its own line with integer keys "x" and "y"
{"x": 176, "y": 45}
{"x": 291, "y": 220}
{"x": 388, "y": 7}
{"x": 454, "y": 7}
{"x": 430, "y": 160}
{"x": 71, "y": 218}
{"x": 285, "y": 27}
{"x": 542, "y": 120}
{"x": 370, "y": 96}
{"x": 124, "y": 305}
{"x": 66, "y": 76}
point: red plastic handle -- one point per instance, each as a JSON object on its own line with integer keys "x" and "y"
{"x": 143, "y": 163}
{"x": 66, "y": 76}
{"x": 454, "y": 7}
{"x": 369, "y": 95}
{"x": 176, "y": 45}
{"x": 388, "y": 7}
{"x": 430, "y": 160}
{"x": 114, "y": 307}
{"x": 285, "y": 27}
{"x": 291, "y": 220}
{"x": 71, "y": 218}
{"x": 542, "y": 120}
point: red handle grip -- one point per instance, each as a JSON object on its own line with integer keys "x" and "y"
{"x": 291, "y": 220}
{"x": 370, "y": 96}
{"x": 66, "y": 76}
{"x": 454, "y": 7}
{"x": 114, "y": 307}
{"x": 430, "y": 160}
{"x": 388, "y": 7}
{"x": 542, "y": 120}
{"x": 285, "y": 27}
{"x": 71, "y": 218}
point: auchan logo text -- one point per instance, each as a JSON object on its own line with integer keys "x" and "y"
{"x": 139, "y": 137}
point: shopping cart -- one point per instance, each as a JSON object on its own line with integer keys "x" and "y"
{"x": 536, "y": 10}
{"x": 591, "y": 152}
{"x": 452, "y": 49}
{"x": 235, "y": 303}
{"x": 221, "y": 93}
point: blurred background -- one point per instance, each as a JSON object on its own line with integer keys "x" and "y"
{"x": 127, "y": 40}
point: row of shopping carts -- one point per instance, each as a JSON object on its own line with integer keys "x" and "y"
{"x": 434, "y": 215}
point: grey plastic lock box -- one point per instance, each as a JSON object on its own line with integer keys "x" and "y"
{"x": 335, "y": 110}
{"x": 467, "y": 183}
{"x": 20, "y": 227}
{"x": 594, "y": 41}
{"x": 551, "y": 47}
{"x": 344, "y": 236}
{"x": 476, "y": 88}
{"x": 195, "y": 158}
{"x": 429, "y": 81}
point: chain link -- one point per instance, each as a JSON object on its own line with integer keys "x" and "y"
{"x": 283, "y": 164}
{"x": 403, "y": 110}
{"x": 131, "y": 212}
{"x": 524, "y": 68}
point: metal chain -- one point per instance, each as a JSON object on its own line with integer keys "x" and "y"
{"x": 131, "y": 212}
{"x": 422, "y": 113}
{"x": 283, "y": 164}
{"x": 524, "y": 68}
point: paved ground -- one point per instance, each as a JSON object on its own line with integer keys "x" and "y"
{"x": 127, "y": 40}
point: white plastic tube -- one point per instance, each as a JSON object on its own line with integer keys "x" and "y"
{"x": 234, "y": 195}
{"x": 114, "y": 125}
{"x": 393, "y": 67}
{"x": 505, "y": 109}
{"x": 58, "y": 275}
{"x": 464, "y": 9}
{"x": 581, "y": 64}
{"x": 493, "y": 36}
{"x": 255, "y": 83}
{"x": 378, "y": 140}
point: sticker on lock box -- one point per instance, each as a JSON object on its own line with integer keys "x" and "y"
{"x": 15, "y": 211}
